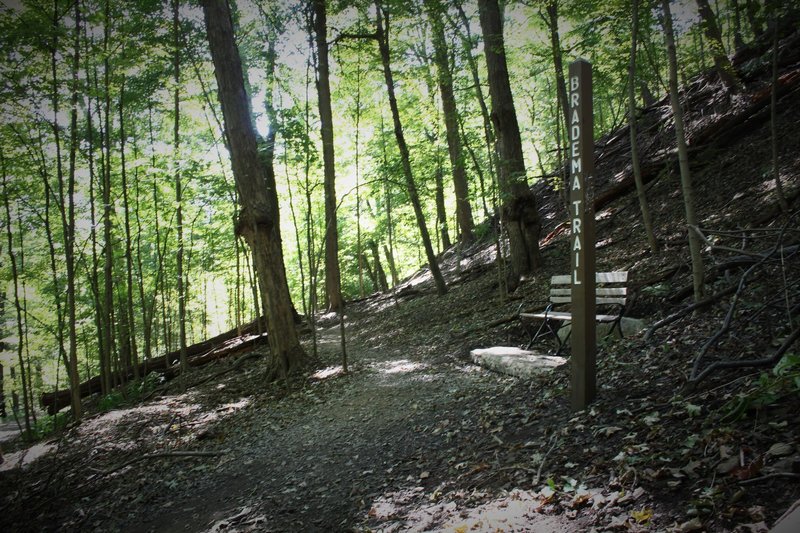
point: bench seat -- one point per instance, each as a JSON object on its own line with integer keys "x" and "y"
{"x": 610, "y": 293}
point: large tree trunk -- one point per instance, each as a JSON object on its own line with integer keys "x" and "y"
{"x": 683, "y": 156}
{"x": 445, "y": 80}
{"x": 519, "y": 211}
{"x": 383, "y": 45}
{"x": 332, "y": 274}
{"x": 258, "y": 219}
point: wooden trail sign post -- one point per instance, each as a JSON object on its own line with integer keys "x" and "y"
{"x": 582, "y": 241}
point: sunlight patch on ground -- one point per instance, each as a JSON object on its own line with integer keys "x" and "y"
{"x": 23, "y": 458}
{"x": 105, "y": 423}
{"x": 399, "y": 366}
{"x": 513, "y": 511}
{"x": 327, "y": 372}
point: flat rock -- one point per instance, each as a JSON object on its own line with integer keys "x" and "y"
{"x": 630, "y": 327}
{"x": 515, "y": 362}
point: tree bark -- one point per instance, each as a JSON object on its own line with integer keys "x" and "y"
{"x": 519, "y": 211}
{"x": 488, "y": 130}
{"x": 776, "y": 171}
{"x": 108, "y": 249}
{"x": 637, "y": 168}
{"x": 176, "y": 147}
{"x": 380, "y": 273}
{"x": 441, "y": 210}
{"x": 683, "y": 156}
{"x": 332, "y": 274}
{"x": 721, "y": 62}
{"x": 258, "y": 218}
{"x": 445, "y": 81}
{"x": 69, "y": 230}
{"x": 383, "y": 45}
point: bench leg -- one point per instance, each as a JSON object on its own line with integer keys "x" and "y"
{"x": 550, "y": 330}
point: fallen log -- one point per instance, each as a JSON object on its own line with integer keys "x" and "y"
{"x": 223, "y": 345}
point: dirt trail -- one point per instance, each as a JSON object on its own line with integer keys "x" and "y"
{"x": 392, "y": 430}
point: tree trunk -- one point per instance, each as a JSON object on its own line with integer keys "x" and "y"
{"x": 637, "y": 169}
{"x": 683, "y": 156}
{"x": 69, "y": 230}
{"x": 176, "y": 146}
{"x": 751, "y": 9}
{"x": 441, "y": 210}
{"x": 258, "y": 219}
{"x": 488, "y": 130}
{"x": 561, "y": 86}
{"x": 60, "y": 198}
{"x": 133, "y": 359}
{"x": 332, "y": 275}
{"x": 519, "y": 211}
{"x": 370, "y": 273}
{"x": 392, "y": 267}
{"x": 15, "y": 281}
{"x": 721, "y": 62}
{"x": 383, "y": 45}
{"x": 776, "y": 171}
{"x": 108, "y": 250}
{"x": 380, "y": 274}
{"x": 445, "y": 80}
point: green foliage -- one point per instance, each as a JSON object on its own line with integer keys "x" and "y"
{"x": 131, "y": 393}
{"x": 46, "y": 425}
{"x": 781, "y": 382}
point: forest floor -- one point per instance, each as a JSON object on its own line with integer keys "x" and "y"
{"x": 417, "y": 438}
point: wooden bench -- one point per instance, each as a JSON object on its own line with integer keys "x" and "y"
{"x": 610, "y": 294}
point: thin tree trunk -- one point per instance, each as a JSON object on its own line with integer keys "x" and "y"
{"x": 133, "y": 352}
{"x": 359, "y": 244}
{"x": 108, "y": 250}
{"x": 519, "y": 212}
{"x": 258, "y": 220}
{"x": 332, "y": 274}
{"x": 69, "y": 230}
{"x": 93, "y": 272}
{"x": 380, "y": 274}
{"x": 15, "y": 281}
{"x": 441, "y": 211}
{"x": 445, "y": 80}
{"x": 714, "y": 35}
{"x": 751, "y": 10}
{"x": 637, "y": 169}
{"x": 387, "y": 193}
{"x": 561, "y": 86}
{"x": 776, "y": 171}
{"x": 738, "y": 40}
{"x": 488, "y": 129}
{"x": 392, "y": 267}
{"x": 176, "y": 65}
{"x": 383, "y": 45}
{"x": 683, "y": 157}
{"x": 370, "y": 272}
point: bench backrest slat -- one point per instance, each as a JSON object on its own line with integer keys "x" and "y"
{"x": 599, "y": 291}
{"x": 561, "y": 291}
{"x": 600, "y": 277}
